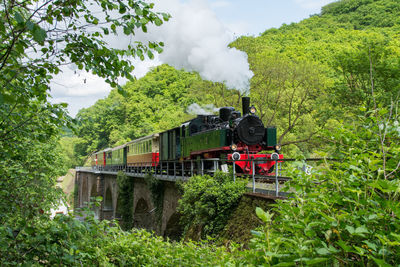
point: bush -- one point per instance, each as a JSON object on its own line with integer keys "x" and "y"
{"x": 348, "y": 214}
{"x": 208, "y": 202}
{"x": 68, "y": 241}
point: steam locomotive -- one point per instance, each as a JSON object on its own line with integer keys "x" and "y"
{"x": 228, "y": 136}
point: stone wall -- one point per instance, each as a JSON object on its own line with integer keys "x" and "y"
{"x": 90, "y": 184}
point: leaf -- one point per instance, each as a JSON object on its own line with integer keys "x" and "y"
{"x": 361, "y": 230}
{"x": 381, "y": 262}
{"x": 345, "y": 247}
{"x": 264, "y": 216}
{"x": 256, "y": 233}
{"x": 285, "y": 264}
{"x": 39, "y": 35}
{"x": 323, "y": 251}
{"x": 316, "y": 260}
{"x": 150, "y": 54}
{"x": 158, "y": 21}
{"x": 18, "y": 18}
{"x": 350, "y": 229}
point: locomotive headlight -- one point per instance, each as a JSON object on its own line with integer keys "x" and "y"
{"x": 233, "y": 147}
{"x": 253, "y": 110}
{"x": 236, "y": 156}
{"x": 275, "y": 156}
{"x": 277, "y": 147}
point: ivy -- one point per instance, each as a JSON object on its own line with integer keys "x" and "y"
{"x": 125, "y": 200}
{"x": 207, "y": 202}
{"x": 157, "y": 188}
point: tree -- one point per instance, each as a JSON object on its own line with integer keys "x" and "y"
{"x": 351, "y": 62}
{"x": 285, "y": 94}
{"x": 37, "y": 38}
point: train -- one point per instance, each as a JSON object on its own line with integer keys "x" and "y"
{"x": 231, "y": 137}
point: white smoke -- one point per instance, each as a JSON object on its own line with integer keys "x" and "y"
{"x": 196, "y": 40}
{"x": 196, "y": 109}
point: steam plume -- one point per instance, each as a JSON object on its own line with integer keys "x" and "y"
{"x": 196, "y": 40}
{"x": 196, "y": 109}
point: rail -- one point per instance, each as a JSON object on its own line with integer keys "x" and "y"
{"x": 173, "y": 170}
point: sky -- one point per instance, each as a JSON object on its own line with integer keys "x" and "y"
{"x": 201, "y": 29}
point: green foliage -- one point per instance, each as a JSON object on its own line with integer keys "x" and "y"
{"x": 67, "y": 241}
{"x": 36, "y": 39}
{"x": 243, "y": 220}
{"x": 347, "y": 214}
{"x": 364, "y": 13}
{"x": 207, "y": 202}
{"x": 157, "y": 188}
{"x": 68, "y": 154}
{"x": 327, "y": 58}
{"x": 125, "y": 200}
{"x": 29, "y": 170}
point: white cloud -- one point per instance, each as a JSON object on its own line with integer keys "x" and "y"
{"x": 78, "y": 83}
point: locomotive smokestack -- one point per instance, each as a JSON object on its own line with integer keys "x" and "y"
{"x": 246, "y": 105}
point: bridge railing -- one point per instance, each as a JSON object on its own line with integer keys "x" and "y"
{"x": 184, "y": 169}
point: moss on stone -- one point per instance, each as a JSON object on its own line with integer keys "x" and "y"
{"x": 244, "y": 219}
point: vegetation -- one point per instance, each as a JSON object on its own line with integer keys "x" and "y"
{"x": 125, "y": 200}
{"x": 36, "y": 40}
{"x": 330, "y": 84}
{"x": 348, "y": 214}
{"x": 207, "y": 203}
{"x": 67, "y": 241}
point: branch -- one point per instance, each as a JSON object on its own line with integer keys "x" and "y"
{"x": 299, "y": 141}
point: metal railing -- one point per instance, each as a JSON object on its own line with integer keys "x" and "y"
{"x": 173, "y": 170}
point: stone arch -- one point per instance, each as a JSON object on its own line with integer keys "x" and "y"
{"x": 142, "y": 216}
{"x": 108, "y": 207}
{"x": 173, "y": 229}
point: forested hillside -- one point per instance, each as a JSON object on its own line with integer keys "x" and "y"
{"x": 308, "y": 76}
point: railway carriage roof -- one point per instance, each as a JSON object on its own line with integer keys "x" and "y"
{"x": 118, "y": 147}
{"x": 148, "y": 137}
{"x": 104, "y": 150}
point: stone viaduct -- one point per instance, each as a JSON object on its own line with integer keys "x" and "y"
{"x": 91, "y": 184}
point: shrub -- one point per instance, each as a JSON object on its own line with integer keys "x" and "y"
{"x": 348, "y": 214}
{"x": 208, "y": 202}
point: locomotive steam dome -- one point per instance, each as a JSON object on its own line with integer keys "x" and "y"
{"x": 250, "y": 130}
